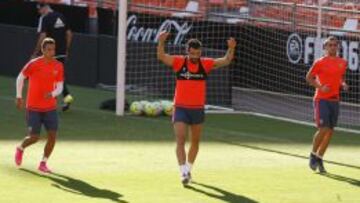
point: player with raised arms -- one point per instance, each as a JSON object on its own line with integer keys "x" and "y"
{"x": 190, "y": 95}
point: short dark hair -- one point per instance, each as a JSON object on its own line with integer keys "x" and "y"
{"x": 47, "y": 41}
{"x": 193, "y": 43}
{"x": 329, "y": 39}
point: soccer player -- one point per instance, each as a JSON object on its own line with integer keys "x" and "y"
{"x": 45, "y": 75}
{"x": 327, "y": 76}
{"x": 190, "y": 94}
{"x": 53, "y": 24}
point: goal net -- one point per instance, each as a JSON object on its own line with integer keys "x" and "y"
{"x": 277, "y": 44}
{"x": 276, "y": 55}
{"x": 146, "y": 77}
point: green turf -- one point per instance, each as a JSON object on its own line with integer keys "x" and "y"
{"x": 104, "y": 158}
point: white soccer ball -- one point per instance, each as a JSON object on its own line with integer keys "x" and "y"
{"x": 168, "y": 107}
{"x": 152, "y": 109}
{"x": 143, "y": 102}
{"x": 136, "y": 108}
{"x": 149, "y": 109}
{"x": 157, "y": 108}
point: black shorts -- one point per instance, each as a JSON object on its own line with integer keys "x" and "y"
{"x": 188, "y": 116}
{"x": 36, "y": 119}
{"x": 326, "y": 113}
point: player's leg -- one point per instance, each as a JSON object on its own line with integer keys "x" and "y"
{"x": 50, "y": 120}
{"x": 195, "y": 140}
{"x": 180, "y": 122}
{"x": 321, "y": 115}
{"x": 33, "y": 120}
{"x": 325, "y": 143}
{"x": 194, "y": 147}
{"x": 322, "y": 149}
{"x": 334, "y": 114}
{"x": 197, "y": 119}
{"x": 318, "y": 139}
{"x": 180, "y": 130}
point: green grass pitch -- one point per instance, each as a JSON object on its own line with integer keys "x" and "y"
{"x": 103, "y": 158}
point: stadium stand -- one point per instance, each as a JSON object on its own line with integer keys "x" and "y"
{"x": 337, "y": 14}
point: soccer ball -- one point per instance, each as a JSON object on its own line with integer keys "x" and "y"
{"x": 149, "y": 109}
{"x": 143, "y": 102}
{"x": 152, "y": 109}
{"x": 168, "y": 107}
{"x": 158, "y": 109}
{"x": 136, "y": 108}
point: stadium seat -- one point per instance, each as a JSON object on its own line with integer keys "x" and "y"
{"x": 191, "y": 8}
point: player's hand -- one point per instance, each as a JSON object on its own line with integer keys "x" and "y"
{"x": 19, "y": 103}
{"x": 163, "y": 36}
{"x": 231, "y": 43}
{"x": 345, "y": 87}
{"x": 325, "y": 88}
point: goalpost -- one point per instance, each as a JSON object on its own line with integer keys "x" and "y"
{"x": 121, "y": 58}
{"x": 277, "y": 44}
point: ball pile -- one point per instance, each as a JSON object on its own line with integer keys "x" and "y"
{"x": 152, "y": 109}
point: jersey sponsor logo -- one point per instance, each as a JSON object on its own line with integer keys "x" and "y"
{"x": 189, "y": 75}
{"x": 59, "y": 23}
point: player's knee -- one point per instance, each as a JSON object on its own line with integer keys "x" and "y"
{"x": 51, "y": 135}
{"x": 180, "y": 142}
{"x": 324, "y": 130}
{"x": 195, "y": 142}
{"x": 330, "y": 133}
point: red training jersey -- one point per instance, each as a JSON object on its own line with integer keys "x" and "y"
{"x": 190, "y": 91}
{"x": 43, "y": 76}
{"x": 329, "y": 71}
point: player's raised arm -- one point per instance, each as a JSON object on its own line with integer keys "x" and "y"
{"x": 161, "y": 55}
{"x": 229, "y": 56}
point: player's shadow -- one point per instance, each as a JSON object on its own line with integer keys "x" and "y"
{"x": 218, "y": 193}
{"x": 79, "y": 187}
{"x": 286, "y": 153}
{"x": 351, "y": 181}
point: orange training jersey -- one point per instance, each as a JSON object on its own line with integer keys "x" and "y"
{"x": 329, "y": 71}
{"x": 43, "y": 77}
{"x": 190, "y": 91}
